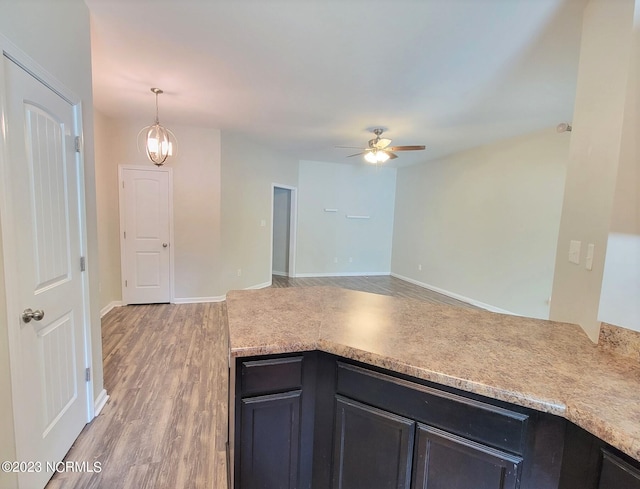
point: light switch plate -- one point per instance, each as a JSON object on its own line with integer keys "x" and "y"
{"x": 588, "y": 264}
{"x": 574, "y": 251}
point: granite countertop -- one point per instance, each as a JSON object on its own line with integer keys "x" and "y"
{"x": 548, "y": 366}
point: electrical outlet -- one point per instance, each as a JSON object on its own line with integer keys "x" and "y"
{"x": 350, "y": 260}
{"x": 335, "y": 259}
{"x": 239, "y": 272}
{"x": 420, "y": 267}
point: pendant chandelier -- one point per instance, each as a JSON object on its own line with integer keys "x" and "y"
{"x": 159, "y": 142}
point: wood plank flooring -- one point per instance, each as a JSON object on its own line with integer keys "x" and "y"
{"x": 165, "y": 369}
{"x": 166, "y": 372}
{"x": 383, "y": 284}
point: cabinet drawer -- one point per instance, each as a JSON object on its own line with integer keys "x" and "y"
{"x": 478, "y": 421}
{"x": 271, "y": 375}
{"x": 618, "y": 474}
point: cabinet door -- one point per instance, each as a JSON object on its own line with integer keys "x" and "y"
{"x": 270, "y": 441}
{"x": 372, "y": 448}
{"x": 617, "y": 474}
{"x": 447, "y": 461}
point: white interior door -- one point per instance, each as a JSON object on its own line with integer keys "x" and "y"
{"x": 145, "y": 215}
{"x": 48, "y": 357}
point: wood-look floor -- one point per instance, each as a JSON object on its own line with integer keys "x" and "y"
{"x": 164, "y": 426}
{"x": 383, "y": 284}
{"x": 166, "y": 372}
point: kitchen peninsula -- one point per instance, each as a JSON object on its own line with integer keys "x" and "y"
{"x": 340, "y": 361}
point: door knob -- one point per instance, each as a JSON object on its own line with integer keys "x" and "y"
{"x": 28, "y": 315}
{"x": 164, "y": 245}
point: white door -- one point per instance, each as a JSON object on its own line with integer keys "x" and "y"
{"x": 145, "y": 226}
{"x": 44, "y": 273}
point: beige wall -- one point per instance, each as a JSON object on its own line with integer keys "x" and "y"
{"x": 603, "y": 74}
{"x": 55, "y": 34}
{"x": 107, "y": 209}
{"x": 196, "y": 206}
{"x": 248, "y": 171}
{"x": 326, "y": 241}
{"x": 484, "y": 223}
{"x": 619, "y": 303}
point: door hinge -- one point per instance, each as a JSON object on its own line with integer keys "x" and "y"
{"x": 77, "y": 142}
{"x": 87, "y": 374}
{"x": 83, "y": 264}
{"x": 125, "y": 235}
{"x": 126, "y": 283}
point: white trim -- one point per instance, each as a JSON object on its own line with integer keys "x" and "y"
{"x": 279, "y": 274}
{"x": 84, "y": 251}
{"x": 196, "y": 300}
{"x": 293, "y": 228}
{"x": 342, "y": 274}
{"x": 28, "y": 64}
{"x": 453, "y": 295}
{"x": 259, "y": 286}
{"x": 100, "y": 402}
{"x": 168, "y": 170}
{"x": 107, "y": 309}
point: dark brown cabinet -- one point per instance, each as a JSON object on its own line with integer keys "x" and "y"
{"x": 395, "y": 433}
{"x": 589, "y": 463}
{"x": 618, "y": 474}
{"x": 372, "y": 448}
{"x": 447, "y": 461}
{"x": 315, "y": 421}
{"x": 270, "y": 441}
{"x": 274, "y": 423}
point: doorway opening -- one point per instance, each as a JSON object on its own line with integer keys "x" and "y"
{"x": 283, "y": 230}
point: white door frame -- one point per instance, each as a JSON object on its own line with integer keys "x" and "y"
{"x": 169, "y": 171}
{"x": 11, "y": 273}
{"x": 293, "y": 228}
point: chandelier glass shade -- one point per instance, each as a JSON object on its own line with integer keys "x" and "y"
{"x": 159, "y": 142}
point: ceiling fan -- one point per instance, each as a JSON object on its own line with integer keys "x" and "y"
{"x": 379, "y": 150}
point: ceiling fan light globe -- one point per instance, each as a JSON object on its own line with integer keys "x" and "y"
{"x": 381, "y": 156}
{"x": 370, "y": 156}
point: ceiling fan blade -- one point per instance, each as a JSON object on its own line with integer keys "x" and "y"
{"x": 407, "y": 148}
{"x": 356, "y": 154}
{"x": 392, "y": 156}
{"x": 383, "y": 143}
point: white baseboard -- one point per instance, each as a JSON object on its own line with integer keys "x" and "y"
{"x": 453, "y": 295}
{"x": 259, "y": 286}
{"x": 279, "y": 274}
{"x": 100, "y": 402}
{"x": 341, "y": 274}
{"x": 195, "y": 300}
{"x": 108, "y": 307}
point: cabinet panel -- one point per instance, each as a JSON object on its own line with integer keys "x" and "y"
{"x": 271, "y": 375}
{"x": 270, "y": 441}
{"x": 447, "y": 461}
{"x": 372, "y": 448}
{"x": 492, "y": 425}
{"x": 617, "y": 474}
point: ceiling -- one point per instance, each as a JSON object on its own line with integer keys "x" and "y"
{"x": 303, "y": 76}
